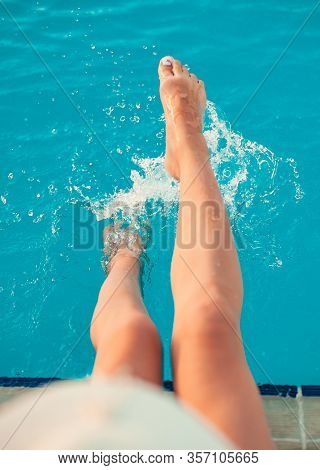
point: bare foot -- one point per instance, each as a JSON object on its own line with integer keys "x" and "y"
{"x": 183, "y": 98}
{"x": 121, "y": 246}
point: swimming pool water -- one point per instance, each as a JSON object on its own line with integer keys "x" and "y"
{"x": 81, "y": 132}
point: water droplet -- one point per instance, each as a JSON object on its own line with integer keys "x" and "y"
{"x": 38, "y": 219}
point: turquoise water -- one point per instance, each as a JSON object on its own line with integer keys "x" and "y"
{"x": 82, "y": 132}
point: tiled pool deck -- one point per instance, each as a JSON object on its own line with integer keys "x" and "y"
{"x": 293, "y": 412}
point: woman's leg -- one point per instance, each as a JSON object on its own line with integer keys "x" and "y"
{"x": 125, "y": 338}
{"x": 210, "y": 370}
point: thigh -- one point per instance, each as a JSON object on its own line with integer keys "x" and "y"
{"x": 212, "y": 377}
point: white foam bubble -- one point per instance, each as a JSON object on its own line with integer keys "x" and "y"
{"x": 255, "y": 184}
{"x": 243, "y": 168}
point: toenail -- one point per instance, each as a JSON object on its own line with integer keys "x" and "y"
{"x": 167, "y": 60}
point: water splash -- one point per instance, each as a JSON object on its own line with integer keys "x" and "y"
{"x": 256, "y": 186}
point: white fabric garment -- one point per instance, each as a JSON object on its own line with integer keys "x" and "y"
{"x": 116, "y": 413}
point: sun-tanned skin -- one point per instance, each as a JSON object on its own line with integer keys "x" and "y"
{"x": 183, "y": 98}
{"x": 211, "y": 375}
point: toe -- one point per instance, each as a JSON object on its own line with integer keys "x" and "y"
{"x": 185, "y": 71}
{"x": 201, "y": 84}
{"x": 177, "y": 67}
{"x": 194, "y": 77}
{"x": 166, "y": 67}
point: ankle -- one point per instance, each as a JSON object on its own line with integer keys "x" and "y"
{"x": 188, "y": 143}
{"x": 126, "y": 262}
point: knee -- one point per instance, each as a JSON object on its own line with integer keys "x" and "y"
{"x": 227, "y": 298}
{"x": 134, "y": 329}
{"x": 140, "y": 329}
{"x": 215, "y": 301}
{"x": 206, "y": 324}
